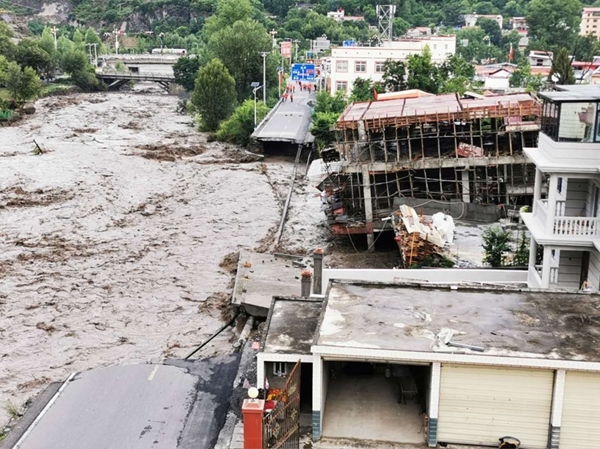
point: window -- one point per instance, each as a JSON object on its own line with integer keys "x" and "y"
{"x": 341, "y": 66}
{"x": 379, "y": 67}
{"x": 341, "y": 85}
{"x": 280, "y": 369}
{"x": 360, "y": 66}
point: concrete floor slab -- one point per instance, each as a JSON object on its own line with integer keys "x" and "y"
{"x": 366, "y": 408}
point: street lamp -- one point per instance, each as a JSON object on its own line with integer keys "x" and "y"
{"x": 264, "y": 56}
{"x": 255, "y": 87}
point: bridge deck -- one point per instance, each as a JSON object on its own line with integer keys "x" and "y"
{"x": 289, "y": 122}
{"x": 135, "y": 76}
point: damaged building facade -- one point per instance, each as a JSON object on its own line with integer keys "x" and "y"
{"x": 463, "y": 153}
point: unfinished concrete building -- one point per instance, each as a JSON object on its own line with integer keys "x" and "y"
{"x": 466, "y": 155}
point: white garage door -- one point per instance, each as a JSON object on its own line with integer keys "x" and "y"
{"x": 581, "y": 411}
{"x": 479, "y": 405}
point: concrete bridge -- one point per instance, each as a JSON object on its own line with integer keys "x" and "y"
{"x": 117, "y": 79}
{"x": 288, "y": 122}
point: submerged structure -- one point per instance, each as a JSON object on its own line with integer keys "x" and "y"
{"x": 464, "y": 152}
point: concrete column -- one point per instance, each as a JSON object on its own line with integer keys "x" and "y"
{"x": 546, "y": 267}
{"x": 466, "y": 191}
{"x": 366, "y": 179}
{"x": 532, "y": 256}
{"x": 260, "y": 371}
{"x": 557, "y": 405}
{"x": 537, "y": 189}
{"x": 305, "y": 282}
{"x": 317, "y": 392}
{"x": 550, "y": 212}
{"x": 434, "y": 404}
{"x": 253, "y": 410}
{"x": 317, "y": 271}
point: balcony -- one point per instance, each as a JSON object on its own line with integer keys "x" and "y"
{"x": 562, "y": 230}
{"x": 534, "y": 277}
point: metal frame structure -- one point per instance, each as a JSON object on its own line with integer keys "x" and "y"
{"x": 385, "y": 20}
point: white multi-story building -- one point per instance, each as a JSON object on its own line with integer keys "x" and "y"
{"x": 590, "y": 22}
{"x": 350, "y": 63}
{"x": 565, "y": 220}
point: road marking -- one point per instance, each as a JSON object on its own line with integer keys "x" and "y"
{"x": 153, "y": 373}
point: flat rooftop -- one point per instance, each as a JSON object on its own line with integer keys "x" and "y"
{"x": 505, "y": 322}
{"x": 573, "y": 93}
{"x": 291, "y": 326}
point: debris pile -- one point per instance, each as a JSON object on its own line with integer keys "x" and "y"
{"x": 419, "y": 239}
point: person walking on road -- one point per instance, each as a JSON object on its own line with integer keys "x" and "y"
{"x": 292, "y": 98}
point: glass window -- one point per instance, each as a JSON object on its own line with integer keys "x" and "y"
{"x": 341, "y": 66}
{"x": 279, "y": 369}
{"x": 379, "y": 67}
{"x": 360, "y": 66}
{"x": 341, "y": 85}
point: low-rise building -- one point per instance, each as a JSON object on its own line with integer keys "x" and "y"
{"x": 418, "y": 364}
{"x": 471, "y": 19}
{"x": 519, "y": 24}
{"x": 350, "y": 63}
{"x": 590, "y": 22}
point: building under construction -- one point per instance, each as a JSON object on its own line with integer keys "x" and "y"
{"x": 453, "y": 150}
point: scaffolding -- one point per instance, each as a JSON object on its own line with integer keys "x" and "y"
{"x": 439, "y": 148}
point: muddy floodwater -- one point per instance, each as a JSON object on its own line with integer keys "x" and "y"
{"x": 112, "y": 240}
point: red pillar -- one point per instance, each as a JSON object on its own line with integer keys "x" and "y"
{"x": 253, "y": 410}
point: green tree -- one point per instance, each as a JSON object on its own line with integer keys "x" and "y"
{"x": 7, "y": 47}
{"x": 363, "y": 90}
{"x": 423, "y": 73}
{"x": 30, "y": 54}
{"x": 322, "y": 127}
{"x": 553, "y": 23}
{"x": 228, "y": 13}
{"x": 491, "y": 29}
{"x": 562, "y": 71}
{"x": 325, "y": 102}
{"x": 186, "y": 70}
{"x": 214, "y": 94}
{"x": 394, "y": 75}
{"x": 239, "y": 127}
{"x": 75, "y": 63}
{"x": 22, "y": 84}
{"x": 239, "y": 47}
{"x": 496, "y": 246}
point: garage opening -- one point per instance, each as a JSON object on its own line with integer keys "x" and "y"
{"x": 376, "y": 401}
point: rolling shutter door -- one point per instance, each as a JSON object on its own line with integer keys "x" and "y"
{"x": 479, "y": 405}
{"x": 581, "y": 411}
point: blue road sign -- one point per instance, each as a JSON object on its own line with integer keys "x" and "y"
{"x": 303, "y": 72}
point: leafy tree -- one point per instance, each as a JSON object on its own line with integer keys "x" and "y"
{"x": 239, "y": 127}
{"x": 75, "y": 63}
{"x": 22, "y": 84}
{"x": 30, "y": 54}
{"x": 496, "y": 246}
{"x": 491, "y": 29}
{"x": 3, "y": 69}
{"x": 562, "y": 71}
{"x": 214, "y": 94}
{"x": 523, "y": 78}
{"x": 330, "y": 103}
{"x": 7, "y": 47}
{"x": 394, "y": 75}
{"x": 423, "y": 73}
{"x": 228, "y": 13}
{"x": 239, "y": 47}
{"x": 521, "y": 256}
{"x": 363, "y": 90}
{"x": 553, "y": 23}
{"x": 186, "y": 70}
{"x": 322, "y": 125}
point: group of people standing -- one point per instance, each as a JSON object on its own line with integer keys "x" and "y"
{"x": 291, "y": 89}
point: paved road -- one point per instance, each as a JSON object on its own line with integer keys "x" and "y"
{"x": 290, "y": 122}
{"x": 139, "y": 407}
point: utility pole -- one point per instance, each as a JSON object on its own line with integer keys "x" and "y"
{"x": 93, "y": 59}
{"x": 273, "y": 33}
{"x": 295, "y": 41}
{"x": 264, "y": 56}
{"x": 54, "y": 32}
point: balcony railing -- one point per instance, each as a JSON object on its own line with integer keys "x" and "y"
{"x": 567, "y": 226}
{"x": 577, "y": 226}
{"x": 535, "y": 276}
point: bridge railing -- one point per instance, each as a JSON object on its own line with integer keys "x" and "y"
{"x": 135, "y": 76}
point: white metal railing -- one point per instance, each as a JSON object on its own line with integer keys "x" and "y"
{"x": 577, "y": 226}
